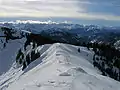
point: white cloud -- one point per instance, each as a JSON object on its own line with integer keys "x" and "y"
{"x": 38, "y": 6}
{"x": 50, "y": 8}
{"x": 88, "y": 16}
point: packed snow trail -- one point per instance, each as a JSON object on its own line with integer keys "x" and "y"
{"x": 62, "y": 67}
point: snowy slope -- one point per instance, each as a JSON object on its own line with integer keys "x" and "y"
{"x": 8, "y": 51}
{"x": 60, "y": 67}
{"x": 8, "y": 54}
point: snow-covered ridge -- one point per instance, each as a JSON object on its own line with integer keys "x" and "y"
{"x": 60, "y": 67}
{"x": 34, "y": 22}
{"x": 58, "y": 22}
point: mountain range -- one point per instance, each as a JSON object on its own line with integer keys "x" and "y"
{"x": 53, "y": 56}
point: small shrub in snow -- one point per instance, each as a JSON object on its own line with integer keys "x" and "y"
{"x": 4, "y": 45}
{"x": 79, "y": 50}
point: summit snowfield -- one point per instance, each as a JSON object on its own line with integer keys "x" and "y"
{"x": 60, "y": 67}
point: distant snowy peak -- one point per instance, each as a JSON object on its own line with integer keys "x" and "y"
{"x": 35, "y": 22}
{"x": 66, "y": 24}
{"x": 32, "y": 24}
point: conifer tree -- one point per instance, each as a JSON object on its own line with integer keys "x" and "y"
{"x": 28, "y": 59}
{"x": 24, "y": 65}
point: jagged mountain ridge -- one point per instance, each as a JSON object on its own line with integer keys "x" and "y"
{"x": 84, "y": 32}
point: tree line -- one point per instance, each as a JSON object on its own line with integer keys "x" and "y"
{"x": 106, "y": 58}
{"x": 25, "y": 60}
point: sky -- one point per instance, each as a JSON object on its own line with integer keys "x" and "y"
{"x": 79, "y": 11}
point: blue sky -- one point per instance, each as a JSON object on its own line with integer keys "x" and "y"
{"x": 79, "y": 11}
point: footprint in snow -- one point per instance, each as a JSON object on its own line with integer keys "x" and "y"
{"x": 64, "y": 74}
{"x": 51, "y": 81}
{"x": 80, "y": 70}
